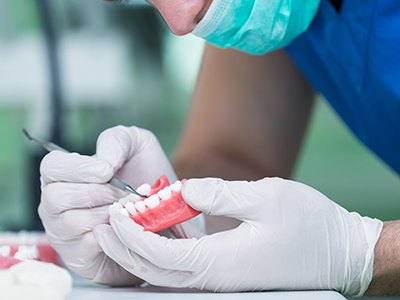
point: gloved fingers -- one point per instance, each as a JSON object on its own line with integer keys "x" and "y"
{"x": 115, "y": 146}
{"x": 161, "y": 251}
{"x": 62, "y": 196}
{"x": 138, "y": 150}
{"x": 186, "y": 230}
{"x": 214, "y": 196}
{"x": 112, "y": 274}
{"x": 73, "y": 223}
{"x": 72, "y": 167}
{"x": 194, "y": 227}
{"x": 85, "y": 251}
{"x": 84, "y": 256}
{"x": 136, "y": 264}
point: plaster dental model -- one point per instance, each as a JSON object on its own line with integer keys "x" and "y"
{"x": 27, "y": 269}
{"x": 163, "y": 208}
{"x": 32, "y": 280}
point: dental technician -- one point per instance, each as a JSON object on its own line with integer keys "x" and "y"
{"x": 261, "y": 69}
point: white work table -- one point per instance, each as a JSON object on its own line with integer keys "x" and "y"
{"x": 85, "y": 291}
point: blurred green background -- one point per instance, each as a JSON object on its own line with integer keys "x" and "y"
{"x": 120, "y": 65}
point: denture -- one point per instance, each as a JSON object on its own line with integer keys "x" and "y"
{"x": 8, "y": 262}
{"x": 17, "y": 247}
{"x": 11, "y": 255}
{"x": 164, "y": 207}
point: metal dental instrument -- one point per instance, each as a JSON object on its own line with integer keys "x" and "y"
{"x": 114, "y": 181}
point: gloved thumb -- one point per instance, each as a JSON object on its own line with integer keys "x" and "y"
{"x": 217, "y": 197}
{"x": 115, "y": 145}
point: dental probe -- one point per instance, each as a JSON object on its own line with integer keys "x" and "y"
{"x": 114, "y": 181}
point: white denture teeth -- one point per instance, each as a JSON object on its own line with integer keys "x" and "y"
{"x": 27, "y": 252}
{"x": 124, "y": 212}
{"x": 177, "y": 186}
{"x": 165, "y": 193}
{"x": 152, "y": 201}
{"x": 133, "y": 198}
{"x": 144, "y": 189}
{"x": 140, "y": 206}
{"x": 130, "y": 207}
{"x": 115, "y": 207}
{"x": 123, "y": 201}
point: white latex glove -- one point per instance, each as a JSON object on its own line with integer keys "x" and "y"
{"x": 291, "y": 238}
{"x": 76, "y": 196}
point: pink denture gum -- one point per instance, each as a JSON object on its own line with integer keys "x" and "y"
{"x": 17, "y": 247}
{"x": 167, "y": 213}
{"x": 8, "y": 262}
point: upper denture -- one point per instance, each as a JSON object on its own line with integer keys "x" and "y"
{"x": 163, "y": 208}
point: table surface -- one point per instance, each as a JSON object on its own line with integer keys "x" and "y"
{"x": 85, "y": 290}
{"x": 89, "y": 291}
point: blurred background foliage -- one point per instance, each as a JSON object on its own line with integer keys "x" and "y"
{"x": 120, "y": 65}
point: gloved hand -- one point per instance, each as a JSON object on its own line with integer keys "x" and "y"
{"x": 76, "y": 196}
{"x": 291, "y": 238}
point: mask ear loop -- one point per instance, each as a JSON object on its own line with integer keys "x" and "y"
{"x": 213, "y": 18}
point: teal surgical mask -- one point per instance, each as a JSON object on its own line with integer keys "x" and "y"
{"x": 256, "y": 26}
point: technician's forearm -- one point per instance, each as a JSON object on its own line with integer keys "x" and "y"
{"x": 247, "y": 120}
{"x": 190, "y": 165}
{"x": 386, "y": 278}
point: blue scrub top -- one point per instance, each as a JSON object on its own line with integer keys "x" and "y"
{"x": 352, "y": 57}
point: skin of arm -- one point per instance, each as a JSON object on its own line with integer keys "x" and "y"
{"x": 386, "y": 277}
{"x": 247, "y": 120}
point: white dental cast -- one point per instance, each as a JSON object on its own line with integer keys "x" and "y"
{"x": 165, "y": 193}
{"x": 144, "y": 189}
{"x": 140, "y": 206}
{"x": 34, "y": 280}
{"x": 5, "y": 251}
{"x": 131, "y": 208}
{"x": 44, "y": 275}
{"x": 177, "y": 186}
{"x": 6, "y": 279}
{"x": 152, "y": 201}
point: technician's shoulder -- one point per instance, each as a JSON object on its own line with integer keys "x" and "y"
{"x": 352, "y": 56}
